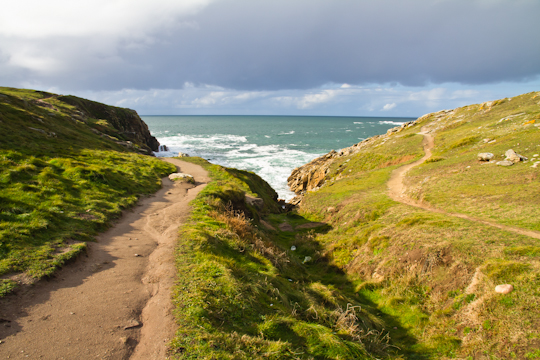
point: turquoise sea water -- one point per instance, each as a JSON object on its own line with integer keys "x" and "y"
{"x": 270, "y": 146}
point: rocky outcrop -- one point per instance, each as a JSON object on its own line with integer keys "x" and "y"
{"x": 313, "y": 175}
{"x": 127, "y": 123}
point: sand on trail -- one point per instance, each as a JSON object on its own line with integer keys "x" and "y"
{"x": 398, "y": 191}
{"x": 109, "y": 304}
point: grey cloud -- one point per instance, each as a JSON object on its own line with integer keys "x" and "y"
{"x": 283, "y": 44}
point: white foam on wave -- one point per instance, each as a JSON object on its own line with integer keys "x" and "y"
{"x": 274, "y": 163}
{"x": 286, "y": 133}
{"x": 391, "y": 122}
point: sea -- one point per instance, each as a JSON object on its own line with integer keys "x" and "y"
{"x": 270, "y": 146}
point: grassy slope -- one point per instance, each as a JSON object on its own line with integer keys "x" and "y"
{"x": 435, "y": 273}
{"x": 61, "y": 183}
{"x": 242, "y": 293}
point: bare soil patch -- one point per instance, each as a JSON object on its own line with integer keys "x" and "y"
{"x": 113, "y": 303}
{"x": 310, "y": 225}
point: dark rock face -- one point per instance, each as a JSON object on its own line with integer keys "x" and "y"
{"x": 126, "y": 121}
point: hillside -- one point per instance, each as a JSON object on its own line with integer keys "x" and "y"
{"x": 429, "y": 246}
{"x": 68, "y": 167}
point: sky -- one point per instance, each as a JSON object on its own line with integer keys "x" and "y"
{"x": 274, "y": 57}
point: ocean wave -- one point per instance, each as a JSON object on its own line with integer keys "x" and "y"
{"x": 391, "y": 122}
{"x": 274, "y": 163}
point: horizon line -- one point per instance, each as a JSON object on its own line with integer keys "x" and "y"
{"x": 344, "y": 116}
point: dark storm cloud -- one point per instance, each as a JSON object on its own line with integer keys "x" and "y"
{"x": 278, "y": 44}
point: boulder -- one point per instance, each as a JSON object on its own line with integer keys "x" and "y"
{"x": 505, "y": 163}
{"x": 511, "y": 155}
{"x": 182, "y": 176}
{"x": 504, "y": 289}
{"x": 180, "y": 154}
{"x": 485, "y": 156}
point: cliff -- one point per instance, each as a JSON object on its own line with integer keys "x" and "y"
{"x": 58, "y": 115}
{"x": 126, "y": 122}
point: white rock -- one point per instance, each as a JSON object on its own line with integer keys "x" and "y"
{"x": 505, "y": 163}
{"x": 293, "y": 248}
{"x": 181, "y": 176}
{"x": 504, "y": 289}
{"x": 511, "y": 155}
{"x": 485, "y": 156}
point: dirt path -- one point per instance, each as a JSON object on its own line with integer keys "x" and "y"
{"x": 110, "y": 304}
{"x": 397, "y": 191}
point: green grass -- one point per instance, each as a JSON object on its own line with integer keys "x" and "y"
{"x": 460, "y": 183}
{"x": 418, "y": 267}
{"x": 60, "y": 186}
{"x": 242, "y": 293}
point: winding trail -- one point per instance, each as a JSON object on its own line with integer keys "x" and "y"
{"x": 397, "y": 192}
{"x": 115, "y": 303}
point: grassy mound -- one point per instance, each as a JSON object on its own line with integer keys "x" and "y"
{"x": 61, "y": 181}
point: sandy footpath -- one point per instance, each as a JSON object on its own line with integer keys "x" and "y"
{"x": 398, "y": 192}
{"x": 113, "y": 303}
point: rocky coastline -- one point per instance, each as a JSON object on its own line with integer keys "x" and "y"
{"x": 313, "y": 175}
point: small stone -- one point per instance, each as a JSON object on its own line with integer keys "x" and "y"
{"x": 504, "y": 289}
{"x": 306, "y": 259}
{"x": 137, "y": 255}
{"x": 505, "y": 163}
{"x": 293, "y": 248}
{"x": 331, "y": 209}
{"x": 132, "y": 324}
{"x": 290, "y": 279}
